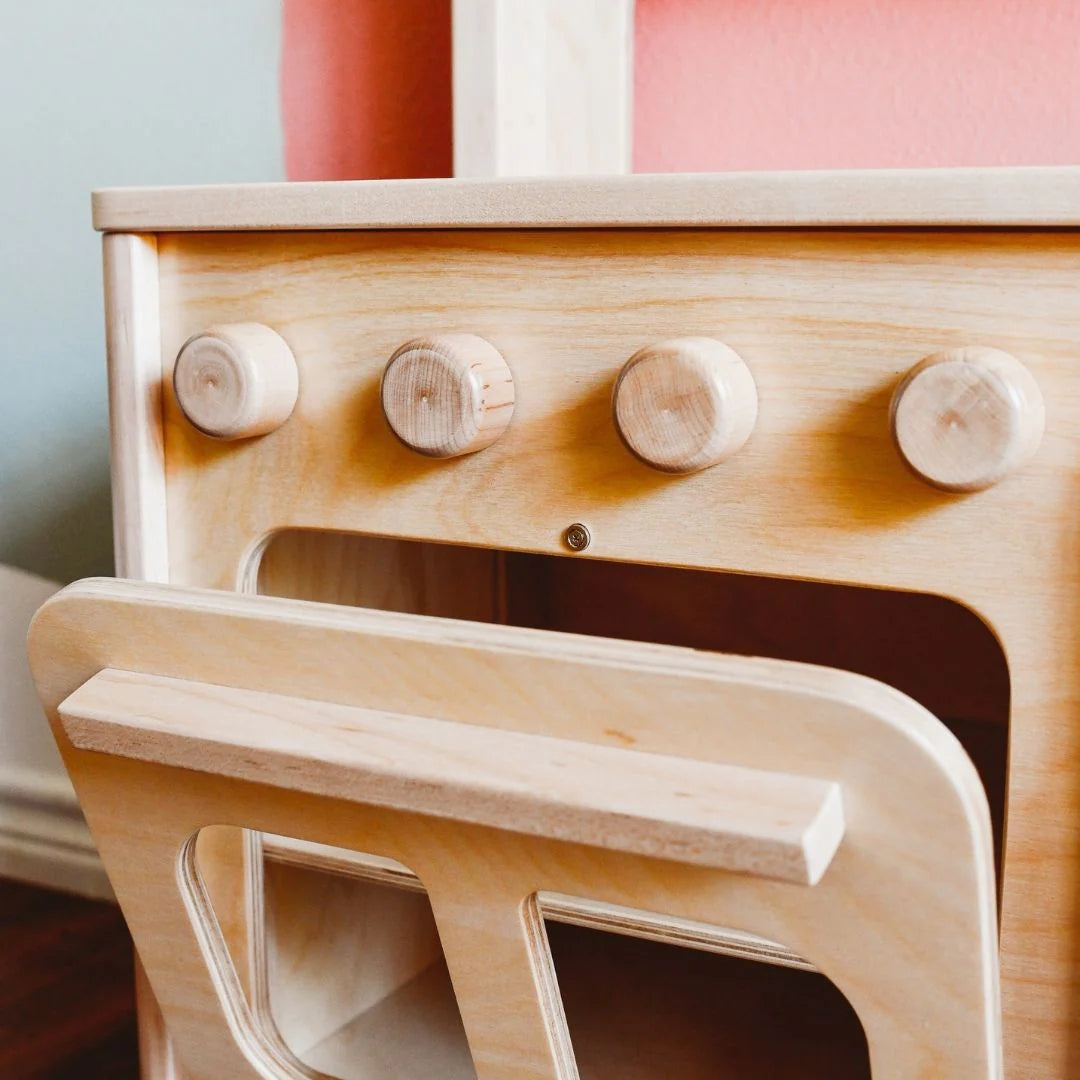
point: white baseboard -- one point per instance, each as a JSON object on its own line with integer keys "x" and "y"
{"x": 43, "y": 837}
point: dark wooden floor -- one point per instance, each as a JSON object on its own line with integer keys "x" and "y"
{"x": 67, "y": 1006}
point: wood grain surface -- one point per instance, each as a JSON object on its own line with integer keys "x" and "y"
{"x": 482, "y": 882}
{"x": 1038, "y": 197}
{"x": 828, "y": 321}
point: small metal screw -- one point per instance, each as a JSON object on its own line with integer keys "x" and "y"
{"x": 577, "y": 537}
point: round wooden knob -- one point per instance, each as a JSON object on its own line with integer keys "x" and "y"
{"x": 685, "y": 404}
{"x": 236, "y": 381}
{"x": 447, "y": 395}
{"x": 964, "y": 418}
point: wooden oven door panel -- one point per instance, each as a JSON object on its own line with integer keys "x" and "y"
{"x": 804, "y": 805}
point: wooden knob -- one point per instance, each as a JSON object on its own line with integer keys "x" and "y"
{"x": 964, "y": 418}
{"x": 447, "y": 395}
{"x": 236, "y": 381}
{"x": 685, "y": 404}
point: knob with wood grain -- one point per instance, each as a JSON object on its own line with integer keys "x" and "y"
{"x": 965, "y": 418}
{"x": 236, "y": 381}
{"x": 447, "y": 395}
{"x": 685, "y": 404}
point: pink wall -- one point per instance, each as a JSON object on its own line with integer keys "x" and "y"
{"x": 810, "y": 84}
{"x": 365, "y": 89}
{"x": 720, "y": 84}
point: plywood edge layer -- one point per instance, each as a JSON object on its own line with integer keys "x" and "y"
{"x": 726, "y": 817}
{"x": 1013, "y": 196}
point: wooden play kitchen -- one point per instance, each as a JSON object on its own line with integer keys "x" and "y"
{"x": 620, "y": 629}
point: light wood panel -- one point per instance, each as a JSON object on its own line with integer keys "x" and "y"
{"x": 137, "y": 468}
{"x": 825, "y": 359}
{"x": 137, "y": 458}
{"x": 832, "y": 319}
{"x": 1037, "y": 197}
{"x": 157, "y": 1054}
{"x": 723, "y": 817}
{"x": 339, "y": 948}
{"x": 828, "y": 322}
{"x": 572, "y": 910}
{"x": 858, "y": 925}
{"x": 542, "y": 88}
{"x": 415, "y": 1031}
{"x": 378, "y": 572}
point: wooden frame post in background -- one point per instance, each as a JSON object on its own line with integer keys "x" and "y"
{"x": 542, "y": 87}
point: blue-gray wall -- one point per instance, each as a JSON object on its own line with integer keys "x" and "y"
{"x": 97, "y": 93}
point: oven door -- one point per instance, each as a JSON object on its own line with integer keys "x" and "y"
{"x": 660, "y": 791}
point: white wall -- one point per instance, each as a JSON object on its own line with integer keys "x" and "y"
{"x": 93, "y": 93}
